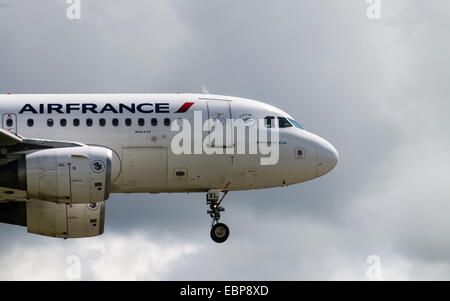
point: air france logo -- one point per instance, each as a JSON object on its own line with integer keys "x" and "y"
{"x": 93, "y": 108}
{"x": 98, "y": 166}
{"x": 185, "y": 107}
{"x": 92, "y": 206}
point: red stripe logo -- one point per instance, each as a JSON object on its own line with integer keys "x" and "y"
{"x": 185, "y": 107}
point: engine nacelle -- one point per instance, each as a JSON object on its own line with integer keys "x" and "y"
{"x": 65, "y": 220}
{"x": 55, "y": 220}
{"x": 68, "y": 175}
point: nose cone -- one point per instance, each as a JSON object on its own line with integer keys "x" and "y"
{"x": 327, "y": 157}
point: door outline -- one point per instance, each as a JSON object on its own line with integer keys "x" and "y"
{"x": 217, "y": 113}
{"x": 141, "y": 165}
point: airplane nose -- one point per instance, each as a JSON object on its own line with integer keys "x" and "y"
{"x": 327, "y": 158}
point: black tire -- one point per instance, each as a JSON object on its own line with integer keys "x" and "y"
{"x": 220, "y": 233}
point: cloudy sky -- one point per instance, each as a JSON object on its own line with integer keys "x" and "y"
{"x": 377, "y": 90}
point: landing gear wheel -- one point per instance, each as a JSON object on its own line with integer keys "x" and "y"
{"x": 220, "y": 232}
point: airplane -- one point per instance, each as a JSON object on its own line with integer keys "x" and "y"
{"x": 62, "y": 155}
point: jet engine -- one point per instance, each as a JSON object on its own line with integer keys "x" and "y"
{"x": 71, "y": 175}
{"x": 65, "y": 220}
{"x": 56, "y": 220}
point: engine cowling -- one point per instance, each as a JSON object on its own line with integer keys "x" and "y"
{"x": 68, "y": 175}
{"x": 55, "y": 220}
{"x": 65, "y": 220}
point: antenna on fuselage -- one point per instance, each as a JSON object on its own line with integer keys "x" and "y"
{"x": 204, "y": 90}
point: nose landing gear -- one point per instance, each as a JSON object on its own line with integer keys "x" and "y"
{"x": 219, "y": 231}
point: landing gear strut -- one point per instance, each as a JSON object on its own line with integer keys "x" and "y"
{"x": 219, "y": 231}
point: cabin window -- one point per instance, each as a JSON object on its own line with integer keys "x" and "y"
{"x": 76, "y": 122}
{"x": 102, "y": 122}
{"x": 128, "y": 122}
{"x": 154, "y": 122}
{"x": 115, "y": 122}
{"x": 9, "y": 122}
{"x": 89, "y": 122}
{"x": 167, "y": 121}
{"x": 141, "y": 121}
{"x": 30, "y": 122}
{"x": 50, "y": 122}
{"x": 63, "y": 122}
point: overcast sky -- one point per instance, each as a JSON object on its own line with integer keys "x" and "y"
{"x": 377, "y": 90}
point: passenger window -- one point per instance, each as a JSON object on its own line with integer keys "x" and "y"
{"x": 154, "y": 122}
{"x": 9, "y": 122}
{"x": 30, "y": 122}
{"x": 141, "y": 121}
{"x": 268, "y": 122}
{"x": 284, "y": 123}
{"x": 102, "y": 122}
{"x": 63, "y": 122}
{"x": 167, "y": 121}
{"x": 89, "y": 122}
{"x": 76, "y": 122}
{"x": 50, "y": 122}
{"x": 128, "y": 122}
{"x": 115, "y": 122}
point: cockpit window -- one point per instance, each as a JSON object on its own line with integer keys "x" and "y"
{"x": 296, "y": 124}
{"x": 284, "y": 123}
{"x": 269, "y": 122}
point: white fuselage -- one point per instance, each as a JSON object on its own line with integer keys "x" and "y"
{"x": 143, "y": 160}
